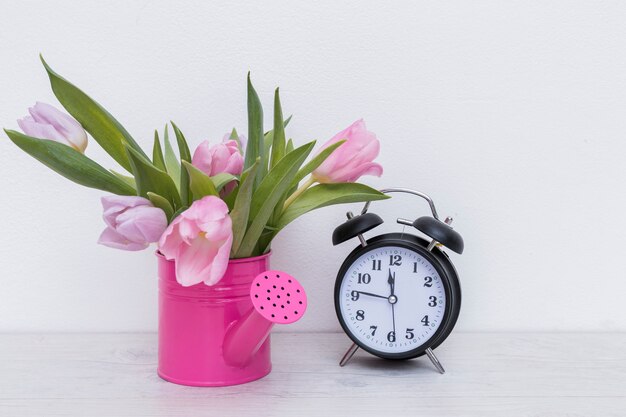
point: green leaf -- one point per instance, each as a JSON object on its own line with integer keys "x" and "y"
{"x": 162, "y": 203}
{"x": 220, "y": 180}
{"x": 171, "y": 160}
{"x": 269, "y": 138}
{"x": 200, "y": 183}
{"x": 70, "y": 163}
{"x": 157, "y": 153}
{"x": 185, "y": 155}
{"x": 102, "y": 126}
{"x": 241, "y": 208}
{"x": 150, "y": 178}
{"x": 278, "y": 142}
{"x": 303, "y": 172}
{"x": 128, "y": 180}
{"x": 315, "y": 162}
{"x": 255, "y": 148}
{"x": 323, "y": 195}
{"x": 230, "y": 198}
{"x": 294, "y": 187}
{"x": 268, "y": 193}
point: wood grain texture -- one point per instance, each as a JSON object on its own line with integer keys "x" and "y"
{"x": 488, "y": 374}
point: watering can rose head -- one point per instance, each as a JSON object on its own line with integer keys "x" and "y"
{"x": 132, "y": 222}
{"x": 352, "y": 159}
{"x": 46, "y": 122}
{"x": 199, "y": 241}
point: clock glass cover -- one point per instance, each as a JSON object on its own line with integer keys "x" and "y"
{"x": 392, "y": 300}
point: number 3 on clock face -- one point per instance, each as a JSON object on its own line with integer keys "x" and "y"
{"x": 392, "y": 301}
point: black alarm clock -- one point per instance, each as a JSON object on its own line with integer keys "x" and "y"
{"x": 397, "y": 295}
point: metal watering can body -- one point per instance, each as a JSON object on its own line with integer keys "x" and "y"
{"x": 219, "y": 335}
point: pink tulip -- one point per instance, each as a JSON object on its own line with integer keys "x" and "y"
{"x": 221, "y": 158}
{"x": 352, "y": 159}
{"x": 46, "y": 122}
{"x": 199, "y": 240}
{"x": 132, "y": 222}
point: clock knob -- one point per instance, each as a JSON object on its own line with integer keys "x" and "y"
{"x": 441, "y": 232}
{"x": 355, "y": 226}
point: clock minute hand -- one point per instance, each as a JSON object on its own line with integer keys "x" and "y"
{"x": 372, "y": 295}
{"x": 392, "y": 283}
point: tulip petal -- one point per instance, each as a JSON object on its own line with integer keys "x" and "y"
{"x": 201, "y": 157}
{"x": 114, "y": 205}
{"x": 142, "y": 224}
{"x": 371, "y": 168}
{"x": 188, "y": 231}
{"x": 220, "y": 262}
{"x": 193, "y": 262}
{"x": 39, "y": 130}
{"x": 171, "y": 240}
{"x": 112, "y": 239}
{"x": 48, "y": 114}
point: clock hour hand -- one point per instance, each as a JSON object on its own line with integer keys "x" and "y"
{"x": 372, "y": 295}
{"x": 391, "y": 280}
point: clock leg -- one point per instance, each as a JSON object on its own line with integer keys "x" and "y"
{"x": 348, "y": 355}
{"x": 435, "y": 361}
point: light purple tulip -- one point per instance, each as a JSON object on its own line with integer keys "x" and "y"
{"x": 199, "y": 241}
{"x": 132, "y": 222}
{"x": 352, "y": 159}
{"x": 47, "y": 122}
{"x": 221, "y": 158}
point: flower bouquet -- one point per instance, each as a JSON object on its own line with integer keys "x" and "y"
{"x": 213, "y": 213}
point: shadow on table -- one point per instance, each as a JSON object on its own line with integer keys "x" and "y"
{"x": 373, "y": 363}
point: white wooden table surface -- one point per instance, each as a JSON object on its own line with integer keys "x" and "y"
{"x": 488, "y": 374}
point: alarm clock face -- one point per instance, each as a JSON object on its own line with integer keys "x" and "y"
{"x": 392, "y": 300}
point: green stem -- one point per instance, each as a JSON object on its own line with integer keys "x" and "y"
{"x": 299, "y": 191}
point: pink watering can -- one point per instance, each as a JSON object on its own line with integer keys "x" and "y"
{"x": 219, "y": 335}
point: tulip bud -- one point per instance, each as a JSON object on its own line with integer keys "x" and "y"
{"x": 353, "y": 158}
{"x": 132, "y": 222}
{"x": 47, "y": 122}
{"x": 221, "y": 158}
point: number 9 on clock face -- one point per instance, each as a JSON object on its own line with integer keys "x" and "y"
{"x": 395, "y": 299}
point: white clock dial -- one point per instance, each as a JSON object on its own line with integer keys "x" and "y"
{"x": 392, "y": 323}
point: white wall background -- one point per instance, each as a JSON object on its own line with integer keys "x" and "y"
{"x": 512, "y": 115}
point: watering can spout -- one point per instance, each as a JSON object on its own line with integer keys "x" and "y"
{"x": 277, "y": 298}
